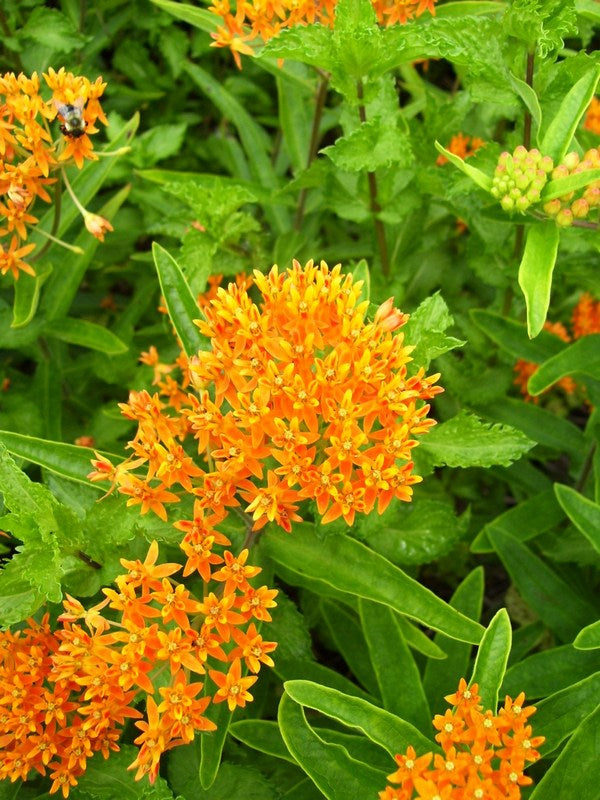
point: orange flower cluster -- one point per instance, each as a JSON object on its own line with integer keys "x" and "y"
{"x": 461, "y": 146}
{"x": 28, "y": 154}
{"x": 484, "y": 758}
{"x": 298, "y": 398}
{"x": 66, "y": 694}
{"x": 585, "y": 320}
{"x": 259, "y": 21}
{"x": 592, "y": 117}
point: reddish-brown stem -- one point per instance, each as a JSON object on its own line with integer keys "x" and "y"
{"x": 313, "y": 144}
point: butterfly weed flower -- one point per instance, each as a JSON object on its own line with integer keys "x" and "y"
{"x": 30, "y": 156}
{"x": 592, "y": 117}
{"x": 300, "y": 397}
{"x": 461, "y": 146}
{"x": 485, "y": 753}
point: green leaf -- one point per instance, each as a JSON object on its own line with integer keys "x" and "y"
{"x": 580, "y": 358}
{"x": 588, "y": 638}
{"x": 576, "y": 771}
{"x": 385, "y": 729}
{"x": 425, "y": 330}
{"x": 293, "y": 669}
{"x": 351, "y": 567}
{"x": 512, "y": 337}
{"x": 329, "y": 766}
{"x": 375, "y": 144}
{"x": 198, "y": 17}
{"x": 562, "y": 186}
{"x": 583, "y": 513}
{"x": 180, "y": 302}
{"x": 211, "y": 745}
{"x": 68, "y": 460}
{"x": 588, "y": 9}
{"x": 549, "y": 671}
{"x": 53, "y": 30}
{"x": 86, "y": 334}
{"x": 535, "y": 273}
{"x": 543, "y": 26}
{"x": 27, "y": 296}
{"x": 560, "y": 714}
{"x": 108, "y": 779}
{"x": 492, "y": 658}
{"x": 394, "y": 665}
{"x": 469, "y": 8}
{"x": 561, "y": 130}
{"x": 476, "y": 175}
{"x": 362, "y": 273}
{"x": 348, "y": 636}
{"x": 418, "y": 640}
{"x": 524, "y": 521}
{"x": 158, "y": 143}
{"x": 466, "y": 441}
{"x": 562, "y": 609}
{"x": 529, "y": 97}
{"x": 262, "y": 735}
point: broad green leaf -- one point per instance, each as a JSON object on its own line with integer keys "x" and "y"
{"x": 557, "y": 604}
{"x": 387, "y": 730}
{"x": 345, "y": 630}
{"x": 562, "y": 186}
{"x": 394, "y": 665}
{"x": 540, "y": 425}
{"x": 211, "y": 745}
{"x": 413, "y": 533}
{"x": 512, "y": 337}
{"x": 550, "y": 671}
{"x": 68, "y": 460}
{"x": 559, "y": 134}
{"x": 425, "y": 330}
{"x": 373, "y": 145}
{"x": 588, "y": 638}
{"x": 18, "y": 598}
{"x": 543, "y": 26}
{"x": 329, "y": 766}
{"x": 583, "y": 513}
{"x": 560, "y": 714}
{"x": 108, "y": 779}
{"x": 524, "y": 521}
{"x": 86, "y": 334}
{"x": 582, "y": 358}
{"x": 576, "y": 771}
{"x": 351, "y": 567}
{"x": 50, "y": 28}
{"x": 198, "y": 17}
{"x": 492, "y": 658}
{"x": 466, "y": 441}
{"x": 476, "y": 175}
{"x": 294, "y": 669}
{"x": 588, "y": 9}
{"x": 181, "y": 304}
{"x": 469, "y": 8}
{"x": 441, "y": 677}
{"x": 263, "y": 735}
{"x": 535, "y": 272}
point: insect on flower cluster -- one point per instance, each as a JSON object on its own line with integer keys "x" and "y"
{"x": 484, "y": 754}
{"x": 298, "y": 398}
{"x": 30, "y": 157}
{"x": 66, "y": 694}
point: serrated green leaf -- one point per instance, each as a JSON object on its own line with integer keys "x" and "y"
{"x": 581, "y": 358}
{"x": 466, "y": 441}
{"x": 566, "y": 777}
{"x": 158, "y": 143}
{"x": 425, "y": 330}
{"x": 557, "y": 604}
{"x": 375, "y": 144}
{"x": 535, "y": 273}
{"x": 107, "y": 779}
{"x": 544, "y": 25}
{"x": 52, "y": 29}
{"x": 385, "y": 729}
{"x": 492, "y": 658}
{"x": 328, "y": 765}
{"x": 351, "y": 567}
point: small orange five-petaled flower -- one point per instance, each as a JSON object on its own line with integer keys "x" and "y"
{"x": 484, "y": 753}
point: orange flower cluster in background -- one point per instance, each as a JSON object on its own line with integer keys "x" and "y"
{"x": 485, "y": 754}
{"x": 29, "y": 154}
{"x": 592, "y": 117}
{"x": 297, "y": 398}
{"x": 461, "y": 146}
{"x": 66, "y": 694}
{"x": 257, "y": 21}
{"x": 585, "y": 320}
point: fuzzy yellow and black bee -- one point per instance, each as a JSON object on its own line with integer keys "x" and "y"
{"x": 71, "y": 114}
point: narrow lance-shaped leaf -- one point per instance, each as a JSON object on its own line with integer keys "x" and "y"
{"x": 582, "y": 357}
{"x": 535, "y": 273}
{"x": 211, "y": 746}
{"x": 559, "y": 135}
{"x": 86, "y": 334}
{"x": 181, "y": 304}
{"x": 588, "y": 638}
{"x": 492, "y": 658}
{"x": 560, "y": 714}
{"x": 329, "y": 766}
{"x": 477, "y": 176}
{"x": 583, "y": 513}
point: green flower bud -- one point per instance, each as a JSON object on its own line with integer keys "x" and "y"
{"x": 564, "y": 218}
{"x": 552, "y": 207}
{"x": 507, "y": 203}
{"x": 580, "y": 208}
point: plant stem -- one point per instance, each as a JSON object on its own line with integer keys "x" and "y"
{"x": 586, "y": 469}
{"x": 55, "y": 221}
{"x": 527, "y": 119}
{"x": 313, "y": 145}
{"x": 375, "y": 207}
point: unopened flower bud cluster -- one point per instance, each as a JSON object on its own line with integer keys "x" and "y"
{"x": 519, "y": 178}
{"x": 577, "y": 204}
